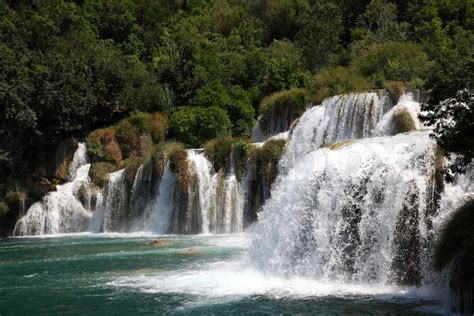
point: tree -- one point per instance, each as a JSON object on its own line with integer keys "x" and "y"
{"x": 453, "y": 121}
{"x": 320, "y": 35}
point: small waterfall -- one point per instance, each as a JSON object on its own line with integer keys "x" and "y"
{"x": 142, "y": 191}
{"x": 356, "y": 214}
{"x": 115, "y": 202}
{"x": 65, "y": 210}
{"x": 79, "y": 159}
{"x": 159, "y": 210}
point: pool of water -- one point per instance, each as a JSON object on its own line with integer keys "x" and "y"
{"x": 185, "y": 275}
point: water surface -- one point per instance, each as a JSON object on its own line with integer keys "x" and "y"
{"x": 187, "y": 275}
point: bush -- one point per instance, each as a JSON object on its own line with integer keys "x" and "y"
{"x": 337, "y": 80}
{"x": 128, "y": 137}
{"x": 393, "y": 61}
{"x": 233, "y": 99}
{"x": 194, "y": 126}
{"x": 102, "y": 146}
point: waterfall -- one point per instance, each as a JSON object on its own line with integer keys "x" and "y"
{"x": 79, "y": 159}
{"x": 115, "y": 202}
{"x": 337, "y": 119}
{"x": 158, "y": 212}
{"x": 356, "y": 214}
{"x": 65, "y": 210}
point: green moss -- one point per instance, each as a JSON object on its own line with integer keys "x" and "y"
{"x": 99, "y": 172}
{"x": 293, "y": 102}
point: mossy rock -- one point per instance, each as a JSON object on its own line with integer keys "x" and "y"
{"x": 175, "y": 154}
{"x": 61, "y": 172}
{"x": 290, "y": 104}
{"x": 402, "y": 121}
{"x": 99, "y": 173}
{"x": 455, "y": 249}
{"x": 131, "y": 167}
{"x": 266, "y": 158}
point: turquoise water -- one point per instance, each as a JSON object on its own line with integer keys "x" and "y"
{"x": 187, "y": 275}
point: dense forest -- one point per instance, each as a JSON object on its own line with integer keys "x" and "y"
{"x": 71, "y": 67}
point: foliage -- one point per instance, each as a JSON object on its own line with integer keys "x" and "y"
{"x": 228, "y": 153}
{"x": 196, "y": 125}
{"x": 234, "y": 100}
{"x": 102, "y": 145}
{"x": 393, "y": 61}
{"x": 453, "y": 121}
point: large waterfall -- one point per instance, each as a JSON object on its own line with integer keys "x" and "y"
{"x": 360, "y": 213}
{"x": 355, "y": 199}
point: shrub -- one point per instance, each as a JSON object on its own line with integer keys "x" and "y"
{"x": 99, "y": 172}
{"x": 194, "y": 126}
{"x": 393, "y": 61}
{"x": 233, "y": 99}
{"x": 102, "y": 146}
{"x": 128, "y": 138}
{"x": 224, "y": 150}
{"x": 158, "y": 127}
{"x": 338, "y": 80}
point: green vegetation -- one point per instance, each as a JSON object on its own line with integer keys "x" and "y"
{"x": 195, "y": 125}
{"x": 99, "y": 172}
{"x": 224, "y": 150}
{"x": 266, "y": 158}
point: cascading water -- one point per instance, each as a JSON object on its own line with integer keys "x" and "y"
{"x": 64, "y": 210}
{"x": 115, "y": 202}
{"x": 359, "y": 213}
{"x": 337, "y": 119}
{"x": 362, "y": 211}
